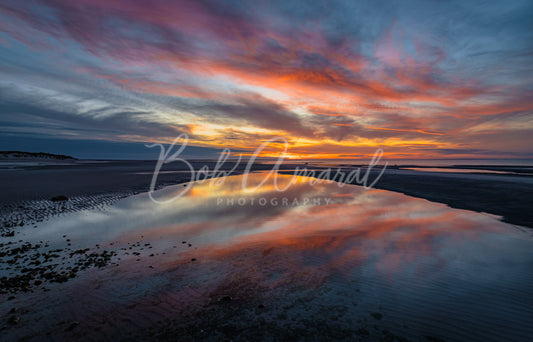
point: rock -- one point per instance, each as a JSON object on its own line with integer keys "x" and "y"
{"x": 14, "y": 319}
{"x": 363, "y": 332}
{"x": 377, "y": 315}
{"x": 390, "y": 337}
{"x": 59, "y": 198}
{"x": 72, "y": 326}
{"x": 225, "y": 299}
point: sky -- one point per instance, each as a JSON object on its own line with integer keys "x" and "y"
{"x": 337, "y": 79}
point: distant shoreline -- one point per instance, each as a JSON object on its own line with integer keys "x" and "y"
{"x": 19, "y": 155}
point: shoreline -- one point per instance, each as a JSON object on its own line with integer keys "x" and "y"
{"x": 98, "y": 185}
{"x": 26, "y": 193}
{"x": 254, "y": 287}
{"x": 507, "y": 196}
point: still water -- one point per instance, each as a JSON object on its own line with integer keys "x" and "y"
{"x": 452, "y": 170}
{"x": 314, "y": 262}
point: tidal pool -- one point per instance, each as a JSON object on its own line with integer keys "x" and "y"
{"x": 314, "y": 262}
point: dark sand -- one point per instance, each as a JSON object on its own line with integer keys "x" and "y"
{"x": 504, "y": 195}
{"x": 88, "y": 178}
{"x": 26, "y": 189}
{"x": 507, "y": 195}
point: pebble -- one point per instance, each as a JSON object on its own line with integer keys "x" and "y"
{"x": 72, "y": 326}
{"x": 14, "y": 319}
{"x": 225, "y": 299}
{"x": 377, "y": 315}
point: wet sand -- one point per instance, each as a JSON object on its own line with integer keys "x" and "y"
{"x": 507, "y": 195}
{"x": 25, "y": 191}
{"x": 195, "y": 270}
{"x": 26, "y": 188}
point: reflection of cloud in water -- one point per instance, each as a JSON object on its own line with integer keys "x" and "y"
{"x": 407, "y": 254}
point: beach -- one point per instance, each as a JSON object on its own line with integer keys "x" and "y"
{"x": 365, "y": 264}
{"x": 27, "y": 188}
{"x": 266, "y": 171}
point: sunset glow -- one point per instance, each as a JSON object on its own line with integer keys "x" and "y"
{"x": 336, "y": 80}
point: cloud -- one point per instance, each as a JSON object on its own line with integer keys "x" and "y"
{"x": 429, "y": 74}
{"x": 67, "y": 120}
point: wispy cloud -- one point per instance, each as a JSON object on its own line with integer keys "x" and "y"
{"x": 443, "y": 77}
